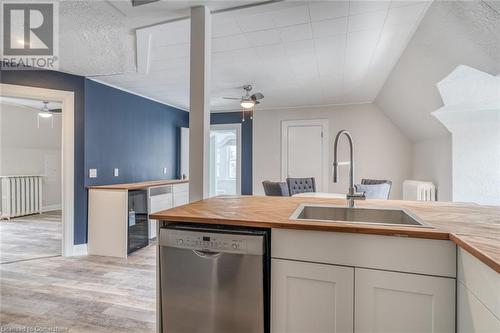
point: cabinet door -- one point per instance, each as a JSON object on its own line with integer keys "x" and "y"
{"x": 311, "y": 298}
{"x": 388, "y": 302}
{"x": 473, "y": 316}
{"x": 160, "y": 198}
{"x": 181, "y": 194}
{"x": 181, "y": 199}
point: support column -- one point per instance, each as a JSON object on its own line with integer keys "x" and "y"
{"x": 199, "y": 113}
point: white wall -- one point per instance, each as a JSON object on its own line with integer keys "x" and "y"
{"x": 452, "y": 33}
{"x": 26, "y": 149}
{"x": 380, "y": 149}
{"x": 432, "y": 162}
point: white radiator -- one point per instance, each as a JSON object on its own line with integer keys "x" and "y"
{"x": 419, "y": 191}
{"x": 21, "y": 195}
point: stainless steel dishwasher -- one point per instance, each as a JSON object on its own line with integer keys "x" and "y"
{"x": 213, "y": 279}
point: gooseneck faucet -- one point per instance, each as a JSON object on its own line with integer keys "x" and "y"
{"x": 352, "y": 195}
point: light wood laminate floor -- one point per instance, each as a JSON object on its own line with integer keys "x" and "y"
{"x": 29, "y": 237}
{"x": 80, "y": 294}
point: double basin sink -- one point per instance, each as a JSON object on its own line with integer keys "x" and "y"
{"x": 379, "y": 216}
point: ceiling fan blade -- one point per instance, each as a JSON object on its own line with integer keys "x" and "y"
{"x": 235, "y": 98}
{"x": 257, "y": 96}
{"x": 136, "y": 3}
{"x": 56, "y": 110}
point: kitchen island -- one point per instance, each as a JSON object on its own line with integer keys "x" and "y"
{"x": 397, "y": 278}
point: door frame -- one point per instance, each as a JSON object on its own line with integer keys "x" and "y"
{"x": 67, "y": 98}
{"x": 324, "y": 123}
{"x": 237, "y": 127}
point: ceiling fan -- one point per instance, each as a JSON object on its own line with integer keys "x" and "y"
{"x": 45, "y": 112}
{"x": 248, "y": 101}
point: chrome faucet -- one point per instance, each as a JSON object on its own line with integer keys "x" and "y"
{"x": 352, "y": 195}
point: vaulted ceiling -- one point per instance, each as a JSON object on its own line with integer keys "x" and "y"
{"x": 298, "y": 53}
{"x": 452, "y": 33}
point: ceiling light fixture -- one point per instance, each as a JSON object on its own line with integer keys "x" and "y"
{"x": 247, "y": 103}
{"x": 45, "y": 112}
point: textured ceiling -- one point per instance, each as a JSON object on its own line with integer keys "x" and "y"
{"x": 98, "y": 37}
{"x": 94, "y": 39}
{"x": 452, "y": 33}
{"x": 296, "y": 53}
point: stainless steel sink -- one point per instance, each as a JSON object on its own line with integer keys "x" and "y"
{"x": 368, "y": 215}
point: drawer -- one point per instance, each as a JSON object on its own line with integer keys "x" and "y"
{"x": 160, "y": 202}
{"x": 402, "y": 254}
{"x": 159, "y": 190}
{"x": 183, "y": 187}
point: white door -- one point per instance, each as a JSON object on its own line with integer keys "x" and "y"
{"x": 304, "y": 151}
{"x": 391, "y": 302}
{"x": 225, "y": 160}
{"x": 311, "y": 298}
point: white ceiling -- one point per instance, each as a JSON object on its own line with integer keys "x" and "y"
{"x": 30, "y": 103}
{"x": 452, "y": 33}
{"x": 295, "y": 53}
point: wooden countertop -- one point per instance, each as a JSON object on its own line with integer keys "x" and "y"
{"x": 473, "y": 227}
{"x": 139, "y": 185}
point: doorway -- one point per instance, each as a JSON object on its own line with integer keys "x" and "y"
{"x": 30, "y": 179}
{"x": 65, "y": 163}
{"x": 225, "y": 160}
{"x": 304, "y": 150}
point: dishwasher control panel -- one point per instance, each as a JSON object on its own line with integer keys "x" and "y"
{"x": 210, "y": 241}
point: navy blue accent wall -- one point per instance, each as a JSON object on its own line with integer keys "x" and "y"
{"x": 76, "y": 84}
{"x": 138, "y": 136}
{"x": 246, "y": 144}
{"x": 117, "y": 129}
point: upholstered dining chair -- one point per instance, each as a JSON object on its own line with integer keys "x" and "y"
{"x": 301, "y": 185}
{"x": 275, "y": 189}
{"x": 375, "y": 188}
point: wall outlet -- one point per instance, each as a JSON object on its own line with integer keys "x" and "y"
{"x": 116, "y": 172}
{"x": 164, "y": 171}
{"x": 92, "y": 173}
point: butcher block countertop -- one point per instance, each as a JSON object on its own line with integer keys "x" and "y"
{"x": 474, "y": 228}
{"x": 139, "y": 185}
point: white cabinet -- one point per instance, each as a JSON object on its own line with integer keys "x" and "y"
{"x": 311, "y": 298}
{"x": 166, "y": 197}
{"x": 326, "y": 282}
{"x": 160, "y": 198}
{"x": 388, "y": 302}
{"x": 473, "y": 316}
{"x": 181, "y": 194}
{"x": 478, "y": 308}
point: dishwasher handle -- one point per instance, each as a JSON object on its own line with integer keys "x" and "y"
{"x": 207, "y": 254}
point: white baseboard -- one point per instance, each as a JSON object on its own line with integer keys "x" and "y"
{"x": 80, "y": 250}
{"x": 48, "y": 208}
